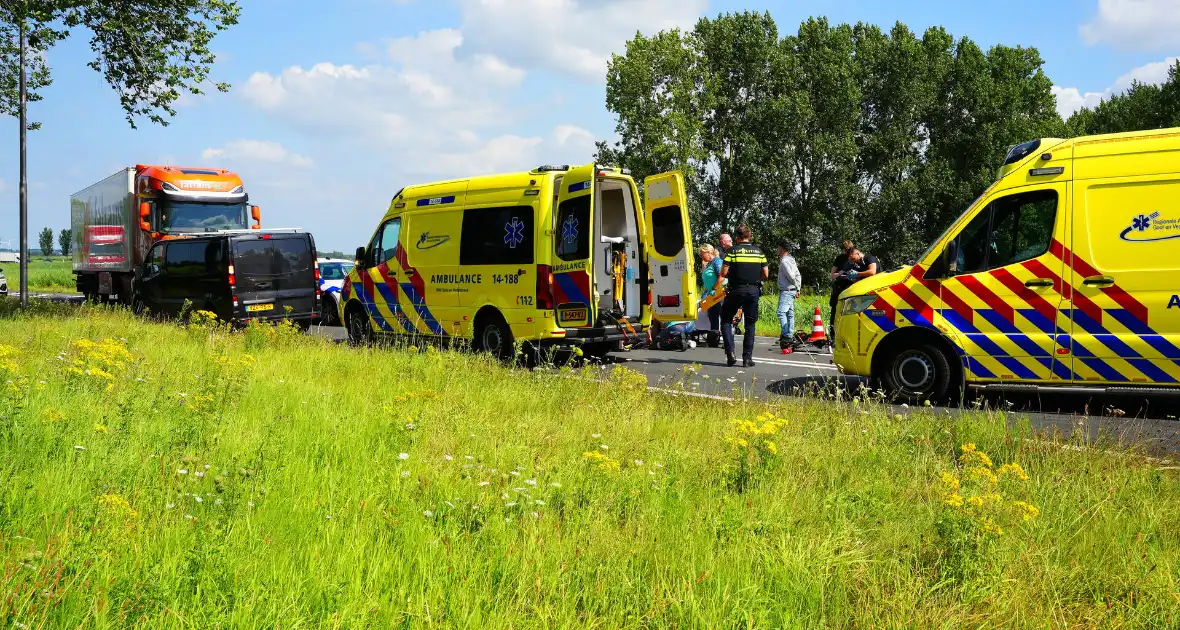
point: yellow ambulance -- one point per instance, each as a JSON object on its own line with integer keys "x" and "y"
{"x": 556, "y": 256}
{"x": 1061, "y": 276}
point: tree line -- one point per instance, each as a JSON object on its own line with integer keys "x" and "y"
{"x": 838, "y": 131}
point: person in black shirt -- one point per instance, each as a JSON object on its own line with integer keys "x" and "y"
{"x": 745, "y": 267}
{"x": 839, "y": 279}
{"x": 859, "y": 265}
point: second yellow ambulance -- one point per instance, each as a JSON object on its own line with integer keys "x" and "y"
{"x": 556, "y": 256}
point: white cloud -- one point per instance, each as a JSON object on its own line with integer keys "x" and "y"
{"x": 570, "y": 37}
{"x": 1070, "y": 99}
{"x": 1135, "y": 24}
{"x": 256, "y": 151}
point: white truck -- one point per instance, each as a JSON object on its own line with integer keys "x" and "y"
{"x": 117, "y": 220}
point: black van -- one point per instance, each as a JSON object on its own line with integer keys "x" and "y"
{"x": 240, "y": 276}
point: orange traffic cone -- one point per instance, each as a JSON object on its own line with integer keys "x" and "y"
{"x": 817, "y": 331}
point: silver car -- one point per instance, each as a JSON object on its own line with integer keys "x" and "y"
{"x": 3, "y": 284}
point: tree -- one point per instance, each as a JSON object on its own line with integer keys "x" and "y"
{"x": 1142, "y": 106}
{"x": 833, "y": 132}
{"x": 149, "y": 51}
{"x": 65, "y": 240}
{"x": 46, "y": 239}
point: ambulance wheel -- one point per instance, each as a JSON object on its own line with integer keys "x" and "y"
{"x": 918, "y": 374}
{"x": 493, "y": 336}
{"x": 360, "y": 330}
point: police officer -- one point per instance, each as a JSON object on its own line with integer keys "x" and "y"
{"x": 745, "y": 267}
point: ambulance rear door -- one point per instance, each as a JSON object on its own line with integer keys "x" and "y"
{"x": 573, "y": 287}
{"x": 669, "y": 245}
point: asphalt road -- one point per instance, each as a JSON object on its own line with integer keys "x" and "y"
{"x": 1149, "y": 425}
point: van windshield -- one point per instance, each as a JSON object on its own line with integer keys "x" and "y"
{"x": 273, "y": 264}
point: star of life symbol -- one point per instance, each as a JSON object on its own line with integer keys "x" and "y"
{"x": 569, "y": 229}
{"x": 1142, "y": 222}
{"x": 513, "y": 232}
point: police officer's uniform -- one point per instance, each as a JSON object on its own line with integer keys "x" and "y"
{"x": 745, "y": 262}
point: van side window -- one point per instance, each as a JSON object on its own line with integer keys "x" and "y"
{"x": 386, "y": 249}
{"x": 185, "y": 259}
{"x": 1010, "y": 230}
{"x": 573, "y": 229}
{"x": 497, "y": 236}
{"x": 153, "y": 259}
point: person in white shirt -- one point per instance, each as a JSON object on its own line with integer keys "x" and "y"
{"x": 790, "y": 282}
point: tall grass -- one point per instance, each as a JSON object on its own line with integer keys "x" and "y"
{"x": 56, "y": 276}
{"x": 174, "y": 477}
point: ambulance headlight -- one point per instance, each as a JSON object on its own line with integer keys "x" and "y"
{"x": 857, "y": 304}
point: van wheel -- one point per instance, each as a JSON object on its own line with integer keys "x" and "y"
{"x": 494, "y": 337}
{"x": 360, "y": 331}
{"x": 918, "y": 374}
{"x": 329, "y": 315}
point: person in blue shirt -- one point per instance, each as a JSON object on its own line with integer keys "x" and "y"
{"x": 710, "y": 273}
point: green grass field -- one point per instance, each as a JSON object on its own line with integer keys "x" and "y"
{"x": 184, "y": 478}
{"x": 51, "y": 277}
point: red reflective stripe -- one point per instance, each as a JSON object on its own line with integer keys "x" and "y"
{"x": 882, "y": 305}
{"x": 1040, "y": 304}
{"x": 955, "y": 303}
{"x": 1081, "y": 302}
{"x": 914, "y": 301}
{"x": 991, "y": 299}
{"x": 1085, "y": 269}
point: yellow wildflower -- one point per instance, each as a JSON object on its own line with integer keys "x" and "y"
{"x": 950, "y": 481}
{"x": 1026, "y": 511}
{"x": 100, "y": 428}
{"x": 954, "y": 500}
{"x": 602, "y": 461}
{"x": 772, "y": 447}
{"x": 981, "y": 475}
{"x": 971, "y": 455}
{"x": 1013, "y": 470}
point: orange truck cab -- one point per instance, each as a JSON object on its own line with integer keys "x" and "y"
{"x": 117, "y": 220}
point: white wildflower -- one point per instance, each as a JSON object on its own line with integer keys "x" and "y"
{"x": 427, "y": 513}
{"x": 403, "y": 456}
{"x": 448, "y": 458}
{"x": 530, "y": 482}
{"x": 405, "y": 473}
{"x": 182, "y": 472}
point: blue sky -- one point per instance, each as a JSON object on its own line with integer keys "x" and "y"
{"x": 337, "y": 105}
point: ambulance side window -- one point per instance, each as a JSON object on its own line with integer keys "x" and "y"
{"x": 1010, "y": 230}
{"x": 386, "y": 244}
{"x": 497, "y": 236}
{"x": 573, "y": 229}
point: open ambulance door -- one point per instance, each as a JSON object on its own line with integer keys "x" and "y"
{"x": 573, "y": 232}
{"x": 669, "y": 248}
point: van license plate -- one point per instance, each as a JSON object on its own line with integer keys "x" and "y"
{"x": 256, "y": 308}
{"x": 572, "y": 315}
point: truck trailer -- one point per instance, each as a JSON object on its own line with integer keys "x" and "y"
{"x": 117, "y": 220}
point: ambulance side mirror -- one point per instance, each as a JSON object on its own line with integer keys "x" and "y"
{"x": 360, "y": 257}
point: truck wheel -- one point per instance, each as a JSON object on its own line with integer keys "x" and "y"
{"x": 360, "y": 330}
{"x": 918, "y": 374}
{"x": 494, "y": 337}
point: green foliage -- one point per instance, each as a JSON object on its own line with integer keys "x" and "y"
{"x": 833, "y": 132}
{"x": 1142, "y": 106}
{"x": 186, "y": 481}
{"x": 65, "y": 240}
{"x": 45, "y": 238}
{"x": 149, "y": 51}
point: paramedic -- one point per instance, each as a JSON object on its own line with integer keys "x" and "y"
{"x": 745, "y": 267}
{"x": 710, "y": 276}
{"x": 839, "y": 279}
{"x": 860, "y": 265}
{"x": 790, "y": 282}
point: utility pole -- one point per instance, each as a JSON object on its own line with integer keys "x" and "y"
{"x": 24, "y": 192}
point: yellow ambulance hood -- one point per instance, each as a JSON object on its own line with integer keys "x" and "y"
{"x": 875, "y": 283}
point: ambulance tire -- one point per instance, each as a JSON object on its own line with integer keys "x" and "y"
{"x": 494, "y": 336}
{"x": 918, "y": 373}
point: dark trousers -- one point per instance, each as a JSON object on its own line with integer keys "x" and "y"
{"x": 714, "y": 313}
{"x": 747, "y": 302}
